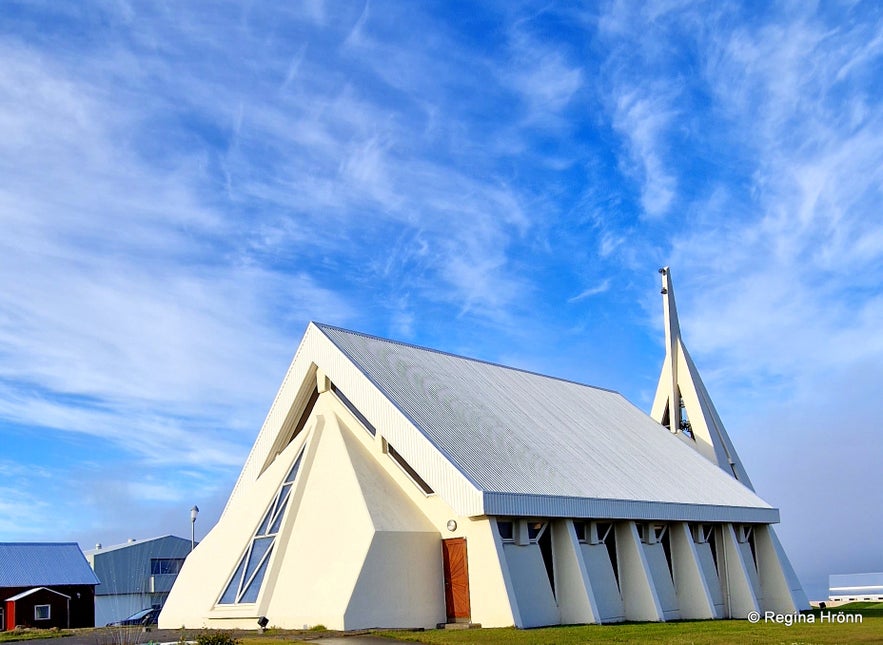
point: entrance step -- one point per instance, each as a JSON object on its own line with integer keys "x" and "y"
{"x": 459, "y": 625}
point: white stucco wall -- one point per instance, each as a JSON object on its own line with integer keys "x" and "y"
{"x": 360, "y": 547}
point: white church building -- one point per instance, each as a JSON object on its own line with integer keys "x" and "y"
{"x": 398, "y": 486}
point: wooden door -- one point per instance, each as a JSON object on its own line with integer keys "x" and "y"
{"x": 456, "y": 580}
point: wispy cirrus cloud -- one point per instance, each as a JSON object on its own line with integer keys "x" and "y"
{"x": 780, "y": 265}
{"x": 643, "y": 118}
{"x": 104, "y": 251}
{"x": 591, "y": 291}
{"x": 171, "y": 222}
{"x": 816, "y": 176}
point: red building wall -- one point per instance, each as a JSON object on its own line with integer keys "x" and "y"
{"x": 21, "y": 612}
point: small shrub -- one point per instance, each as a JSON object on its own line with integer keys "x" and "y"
{"x": 318, "y": 628}
{"x": 217, "y": 638}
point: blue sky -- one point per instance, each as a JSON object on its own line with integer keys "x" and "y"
{"x": 183, "y": 186}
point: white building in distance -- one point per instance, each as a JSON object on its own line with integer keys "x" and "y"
{"x": 852, "y": 587}
{"x": 398, "y": 486}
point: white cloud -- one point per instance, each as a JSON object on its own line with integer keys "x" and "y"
{"x": 545, "y": 80}
{"x": 643, "y": 121}
{"x": 591, "y": 291}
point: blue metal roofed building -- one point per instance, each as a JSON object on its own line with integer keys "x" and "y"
{"x": 45, "y": 584}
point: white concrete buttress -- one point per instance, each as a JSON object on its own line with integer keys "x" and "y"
{"x": 683, "y": 405}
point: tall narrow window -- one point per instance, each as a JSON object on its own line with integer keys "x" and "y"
{"x": 245, "y": 585}
{"x": 544, "y": 540}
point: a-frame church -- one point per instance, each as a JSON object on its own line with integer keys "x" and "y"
{"x": 398, "y": 486}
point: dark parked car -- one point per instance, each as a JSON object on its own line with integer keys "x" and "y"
{"x": 144, "y": 617}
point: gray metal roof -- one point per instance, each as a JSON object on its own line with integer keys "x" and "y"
{"x": 135, "y": 542}
{"x": 125, "y": 568}
{"x": 40, "y": 564}
{"x": 532, "y": 442}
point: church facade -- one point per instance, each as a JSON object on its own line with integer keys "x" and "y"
{"x": 398, "y": 486}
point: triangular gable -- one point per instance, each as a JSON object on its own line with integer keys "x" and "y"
{"x": 318, "y": 358}
{"x": 29, "y": 592}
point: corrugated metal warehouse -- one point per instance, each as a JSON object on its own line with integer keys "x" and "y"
{"x": 136, "y": 575}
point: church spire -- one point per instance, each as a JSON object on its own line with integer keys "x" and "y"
{"x": 682, "y": 403}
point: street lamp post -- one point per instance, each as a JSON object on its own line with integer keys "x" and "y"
{"x": 193, "y": 513}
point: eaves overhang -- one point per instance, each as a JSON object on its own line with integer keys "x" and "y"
{"x": 526, "y": 505}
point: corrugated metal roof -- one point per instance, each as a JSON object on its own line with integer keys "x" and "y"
{"x": 133, "y": 542}
{"x": 126, "y": 568}
{"x": 533, "y": 442}
{"x": 40, "y": 564}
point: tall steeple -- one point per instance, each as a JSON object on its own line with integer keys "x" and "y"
{"x": 682, "y": 403}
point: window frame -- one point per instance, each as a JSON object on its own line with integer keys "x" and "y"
{"x": 244, "y": 575}
{"x": 408, "y": 469}
{"x": 543, "y": 527}
{"x": 158, "y": 563}
{"x": 48, "y": 609}
{"x": 511, "y": 523}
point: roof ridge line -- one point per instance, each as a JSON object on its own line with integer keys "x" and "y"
{"x": 462, "y": 357}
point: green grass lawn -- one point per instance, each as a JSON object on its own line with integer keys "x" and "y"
{"x": 30, "y": 634}
{"x": 712, "y": 632}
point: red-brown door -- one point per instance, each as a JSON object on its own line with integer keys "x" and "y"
{"x": 456, "y": 579}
